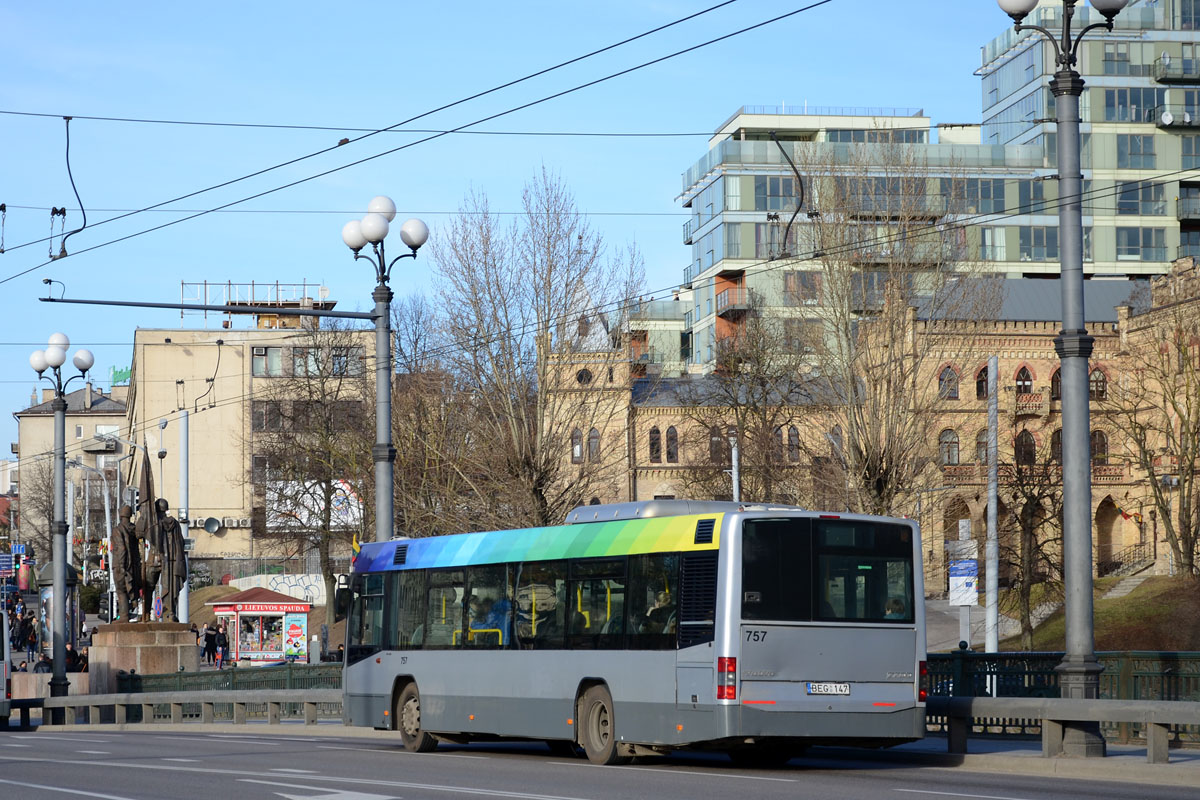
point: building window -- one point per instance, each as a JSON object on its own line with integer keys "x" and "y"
{"x": 801, "y": 288}
{"x": 266, "y": 362}
{"x": 981, "y": 447}
{"x": 716, "y": 445}
{"x": 1191, "y": 151}
{"x": 1031, "y": 197}
{"x": 593, "y": 445}
{"x": 793, "y": 444}
{"x": 1056, "y": 385}
{"x": 655, "y": 446}
{"x": 672, "y": 445}
{"x": 305, "y": 362}
{"x": 981, "y": 384}
{"x": 1141, "y": 244}
{"x": 1133, "y": 104}
{"x": 1135, "y": 151}
{"x": 1145, "y": 199}
{"x": 1097, "y": 385}
{"x": 583, "y": 377}
{"x": 78, "y": 431}
{"x": 1099, "y": 445}
{"x": 265, "y": 416}
{"x": 1038, "y": 243}
{"x": 948, "y": 384}
{"x": 1024, "y": 381}
{"x": 948, "y": 448}
{"x": 1056, "y": 446}
{"x": 777, "y": 450}
{"x": 991, "y": 244}
{"x": 346, "y": 361}
{"x": 774, "y": 193}
{"x": 577, "y": 446}
{"x": 1025, "y": 450}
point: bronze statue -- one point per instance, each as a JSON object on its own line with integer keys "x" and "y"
{"x": 173, "y": 560}
{"x": 126, "y": 562}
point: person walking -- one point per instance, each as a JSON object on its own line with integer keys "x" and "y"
{"x": 222, "y": 642}
{"x": 210, "y": 645}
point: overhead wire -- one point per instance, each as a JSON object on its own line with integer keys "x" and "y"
{"x": 432, "y": 137}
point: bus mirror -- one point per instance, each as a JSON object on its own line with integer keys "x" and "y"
{"x": 341, "y": 602}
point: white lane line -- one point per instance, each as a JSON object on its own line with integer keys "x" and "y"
{"x": 662, "y": 771}
{"x": 339, "y": 795}
{"x": 52, "y": 737}
{"x": 84, "y": 793}
{"x": 296, "y": 771}
{"x": 359, "y": 749}
{"x": 960, "y": 794}
{"x": 183, "y": 760}
{"x": 18, "y": 745}
{"x": 95, "y": 752}
{"x": 434, "y": 787}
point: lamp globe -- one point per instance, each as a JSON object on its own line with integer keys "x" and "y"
{"x": 374, "y": 227}
{"x": 384, "y": 206}
{"x": 414, "y": 233}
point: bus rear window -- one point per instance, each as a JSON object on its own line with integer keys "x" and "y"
{"x": 799, "y": 569}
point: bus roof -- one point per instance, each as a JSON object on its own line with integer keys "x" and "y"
{"x": 594, "y": 539}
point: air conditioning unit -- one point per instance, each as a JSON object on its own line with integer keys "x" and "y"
{"x": 244, "y": 522}
{"x": 229, "y": 522}
{"x": 189, "y": 545}
{"x": 259, "y": 351}
{"x": 196, "y": 522}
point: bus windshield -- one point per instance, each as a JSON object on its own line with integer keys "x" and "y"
{"x": 827, "y": 570}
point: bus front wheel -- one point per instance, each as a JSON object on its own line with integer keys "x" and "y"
{"x": 599, "y": 732}
{"x": 408, "y": 721}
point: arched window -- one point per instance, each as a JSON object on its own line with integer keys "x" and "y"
{"x": 577, "y": 446}
{"x": 672, "y": 445}
{"x": 716, "y": 445}
{"x": 1056, "y": 385}
{"x": 981, "y": 381}
{"x": 981, "y": 442}
{"x": 655, "y": 446}
{"x": 948, "y": 448}
{"x": 1056, "y": 446}
{"x": 1026, "y": 449}
{"x": 1024, "y": 381}
{"x": 593, "y": 445}
{"x": 1097, "y": 385}
{"x": 778, "y": 444}
{"x": 584, "y": 377}
{"x": 1099, "y": 447}
{"x": 793, "y": 444}
{"x": 948, "y": 384}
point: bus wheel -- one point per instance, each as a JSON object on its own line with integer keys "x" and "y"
{"x": 407, "y": 714}
{"x": 599, "y": 734}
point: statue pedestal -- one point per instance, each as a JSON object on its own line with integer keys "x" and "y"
{"x": 149, "y": 648}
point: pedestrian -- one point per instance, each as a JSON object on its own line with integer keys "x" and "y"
{"x": 222, "y": 642}
{"x": 210, "y": 645}
{"x": 24, "y": 667}
{"x": 31, "y": 638}
{"x": 43, "y": 664}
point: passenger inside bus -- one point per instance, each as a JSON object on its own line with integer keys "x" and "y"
{"x": 894, "y": 609}
{"x": 661, "y": 615}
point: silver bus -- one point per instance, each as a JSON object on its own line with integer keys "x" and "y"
{"x": 641, "y": 628}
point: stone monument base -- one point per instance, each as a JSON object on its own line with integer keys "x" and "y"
{"x": 148, "y": 648}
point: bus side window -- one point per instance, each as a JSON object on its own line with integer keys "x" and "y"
{"x": 596, "y": 595}
{"x": 444, "y": 614}
{"x": 489, "y": 607}
{"x": 541, "y": 604}
{"x": 409, "y": 609}
{"x": 653, "y": 591}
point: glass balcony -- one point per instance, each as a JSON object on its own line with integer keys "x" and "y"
{"x": 1188, "y": 208}
{"x": 1177, "y": 116}
{"x": 1176, "y": 70}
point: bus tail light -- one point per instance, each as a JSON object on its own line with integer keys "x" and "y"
{"x": 922, "y": 673}
{"x": 726, "y": 678}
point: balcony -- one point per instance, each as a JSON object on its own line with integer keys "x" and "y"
{"x": 689, "y": 274}
{"x": 898, "y": 207}
{"x": 1184, "y": 71}
{"x": 1186, "y": 250}
{"x": 1032, "y": 404}
{"x": 688, "y": 229}
{"x": 733, "y": 301}
{"x": 1176, "y": 116}
{"x": 959, "y": 474}
{"x": 1187, "y": 208}
{"x": 100, "y": 444}
{"x": 1109, "y": 473}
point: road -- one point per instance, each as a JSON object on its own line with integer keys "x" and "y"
{"x": 152, "y": 766}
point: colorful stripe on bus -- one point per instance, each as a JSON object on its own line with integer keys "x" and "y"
{"x": 589, "y": 540}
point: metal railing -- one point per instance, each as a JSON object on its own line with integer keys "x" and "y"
{"x": 1126, "y": 561}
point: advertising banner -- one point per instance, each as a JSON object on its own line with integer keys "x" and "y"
{"x": 964, "y": 583}
{"x": 295, "y": 636}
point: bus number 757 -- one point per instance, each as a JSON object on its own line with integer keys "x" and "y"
{"x": 756, "y": 636}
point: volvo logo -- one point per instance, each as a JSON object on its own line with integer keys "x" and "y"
{"x": 899, "y": 674}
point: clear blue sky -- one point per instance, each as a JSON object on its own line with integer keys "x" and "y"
{"x": 370, "y": 65}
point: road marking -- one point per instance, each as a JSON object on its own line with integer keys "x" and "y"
{"x": 18, "y": 745}
{"x": 95, "y": 752}
{"x": 337, "y": 794}
{"x": 183, "y": 760}
{"x": 659, "y": 770}
{"x": 358, "y": 749}
{"x": 53, "y": 737}
{"x": 960, "y": 794}
{"x": 298, "y": 771}
{"x": 84, "y": 793}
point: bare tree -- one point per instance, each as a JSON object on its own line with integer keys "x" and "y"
{"x": 1157, "y": 403}
{"x": 528, "y": 308}
{"x": 311, "y": 443}
{"x": 37, "y": 503}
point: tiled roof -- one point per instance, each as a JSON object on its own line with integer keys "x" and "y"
{"x": 257, "y": 594}
{"x": 101, "y": 404}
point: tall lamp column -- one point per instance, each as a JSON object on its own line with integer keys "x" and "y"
{"x": 357, "y": 234}
{"x": 52, "y": 358}
{"x": 1079, "y": 672}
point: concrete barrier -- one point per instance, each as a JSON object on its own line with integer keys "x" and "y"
{"x": 89, "y": 709}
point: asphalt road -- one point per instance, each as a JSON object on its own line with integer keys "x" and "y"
{"x": 152, "y": 766}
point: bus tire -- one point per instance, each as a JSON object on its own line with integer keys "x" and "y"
{"x": 408, "y": 721}
{"x": 599, "y": 735}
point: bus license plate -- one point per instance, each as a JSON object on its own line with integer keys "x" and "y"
{"x": 828, "y": 688}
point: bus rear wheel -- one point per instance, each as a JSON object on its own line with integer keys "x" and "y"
{"x": 599, "y": 737}
{"x": 407, "y": 714}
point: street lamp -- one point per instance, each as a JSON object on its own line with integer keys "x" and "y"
{"x": 357, "y": 234}
{"x": 1079, "y": 672}
{"x": 52, "y": 358}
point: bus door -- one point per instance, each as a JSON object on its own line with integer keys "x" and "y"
{"x": 827, "y": 611}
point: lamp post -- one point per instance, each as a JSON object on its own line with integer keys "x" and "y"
{"x": 1079, "y": 672}
{"x": 52, "y": 358}
{"x": 357, "y": 234}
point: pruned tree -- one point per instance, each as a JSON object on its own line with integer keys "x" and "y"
{"x": 529, "y": 308}
{"x": 311, "y": 435}
{"x": 1156, "y": 402}
{"x": 37, "y": 503}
